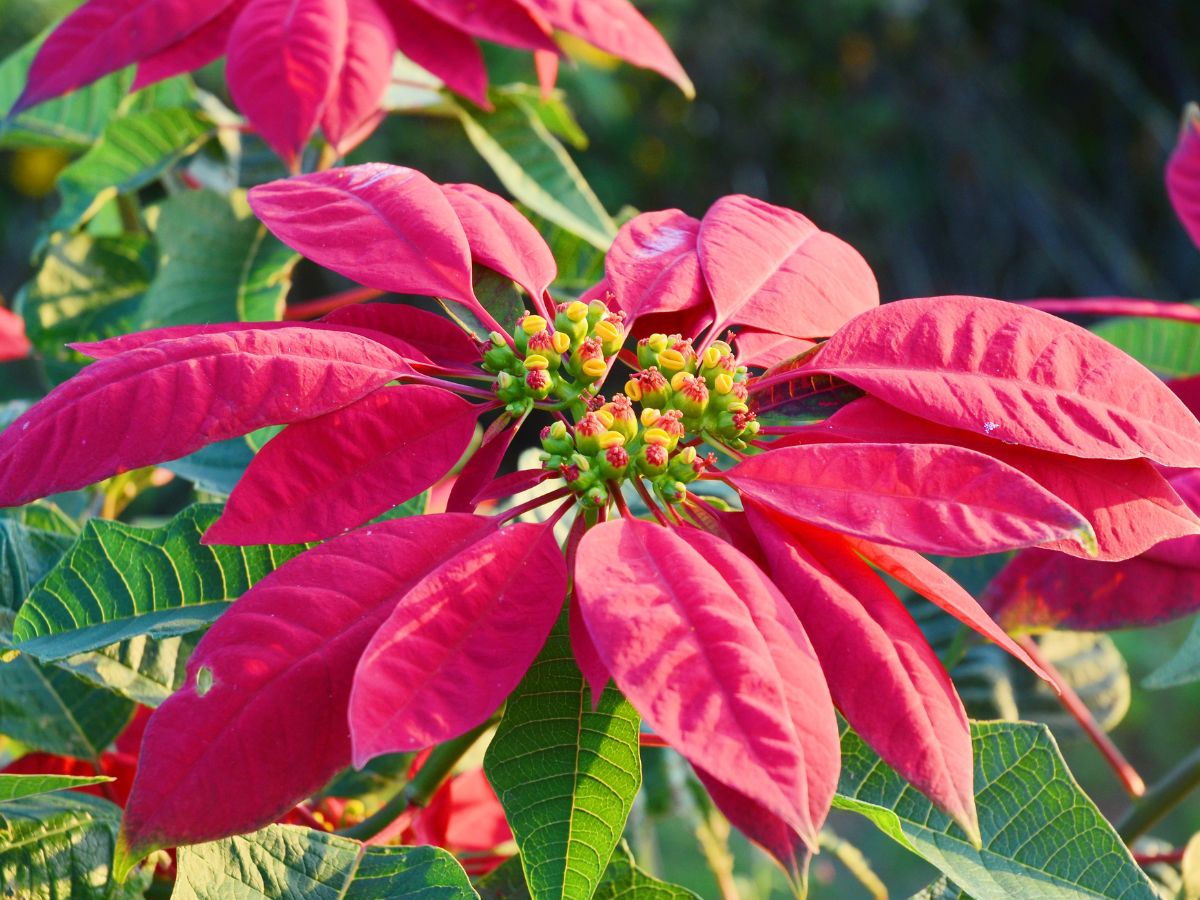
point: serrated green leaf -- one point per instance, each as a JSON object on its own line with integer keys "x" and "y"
{"x": 72, "y": 122}
{"x": 1165, "y": 346}
{"x": 284, "y": 861}
{"x": 134, "y": 151}
{"x": 146, "y": 670}
{"x": 13, "y": 787}
{"x": 1042, "y": 835}
{"x": 536, "y": 168}
{"x": 88, "y": 288}
{"x": 119, "y": 581}
{"x": 26, "y": 555}
{"x": 217, "y": 263}
{"x": 50, "y": 709}
{"x": 58, "y": 846}
{"x": 565, "y": 775}
{"x": 623, "y": 880}
{"x": 1183, "y": 667}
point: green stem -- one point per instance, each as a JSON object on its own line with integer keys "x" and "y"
{"x": 131, "y": 214}
{"x": 1161, "y": 798}
{"x": 421, "y": 788}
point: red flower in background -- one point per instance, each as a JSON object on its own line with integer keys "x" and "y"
{"x": 294, "y": 66}
{"x": 985, "y": 427}
{"x": 13, "y": 343}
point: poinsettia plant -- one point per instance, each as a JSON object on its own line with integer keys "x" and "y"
{"x": 734, "y": 610}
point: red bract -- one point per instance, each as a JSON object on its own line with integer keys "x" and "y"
{"x": 734, "y": 633}
{"x": 298, "y": 65}
{"x": 1183, "y": 174}
{"x": 13, "y": 343}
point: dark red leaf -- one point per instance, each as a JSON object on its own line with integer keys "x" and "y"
{"x": 204, "y": 45}
{"x": 882, "y": 673}
{"x": 1130, "y": 505}
{"x": 771, "y": 269}
{"x": 706, "y": 648}
{"x": 323, "y": 476}
{"x": 440, "y": 49}
{"x": 1014, "y": 374}
{"x": 436, "y": 338}
{"x": 502, "y": 239}
{"x": 1183, "y": 174}
{"x": 282, "y": 67}
{"x": 481, "y": 468}
{"x": 617, "y": 28}
{"x": 930, "y": 497}
{"x": 354, "y": 107}
{"x": 270, "y": 682}
{"x": 165, "y": 400}
{"x": 510, "y": 22}
{"x": 103, "y": 36}
{"x": 385, "y": 226}
{"x": 458, "y": 643}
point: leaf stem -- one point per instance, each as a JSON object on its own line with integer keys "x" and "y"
{"x": 614, "y": 491}
{"x": 421, "y": 787}
{"x": 640, "y": 487}
{"x": 534, "y": 503}
{"x": 1161, "y": 798}
{"x": 311, "y": 309}
{"x": 1125, "y": 772}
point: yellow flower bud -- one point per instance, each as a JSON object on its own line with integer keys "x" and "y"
{"x": 531, "y": 325}
{"x": 611, "y": 439}
{"x": 658, "y": 342}
{"x": 536, "y": 362}
{"x": 576, "y": 311}
{"x": 607, "y": 332}
{"x": 671, "y": 360}
{"x": 594, "y": 368}
{"x": 723, "y": 383}
{"x": 561, "y": 341}
{"x": 656, "y": 436}
{"x": 605, "y": 416}
{"x": 677, "y": 380}
{"x": 712, "y": 358}
{"x": 650, "y": 416}
{"x": 633, "y": 390}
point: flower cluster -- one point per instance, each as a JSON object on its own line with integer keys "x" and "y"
{"x": 749, "y": 594}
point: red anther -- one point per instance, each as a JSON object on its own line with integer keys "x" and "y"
{"x": 595, "y": 403}
{"x": 742, "y": 419}
{"x": 656, "y": 455}
{"x": 741, "y": 391}
{"x": 590, "y": 349}
{"x": 537, "y": 380}
{"x": 671, "y": 422}
{"x": 617, "y": 457}
{"x": 590, "y": 426}
{"x": 542, "y": 342}
{"x": 544, "y": 434}
{"x": 570, "y": 473}
{"x": 694, "y": 389}
{"x": 651, "y": 380}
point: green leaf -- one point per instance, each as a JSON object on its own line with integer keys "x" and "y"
{"x": 146, "y": 670}
{"x": 72, "y": 122}
{"x": 1183, "y": 667}
{"x": 58, "y": 846}
{"x": 134, "y": 151}
{"x": 553, "y": 112}
{"x": 217, "y": 263}
{"x": 50, "y": 709}
{"x": 284, "y": 861}
{"x": 565, "y": 775}
{"x": 942, "y": 889}
{"x": 536, "y": 168}
{"x": 87, "y": 289}
{"x": 497, "y": 294}
{"x": 13, "y": 787}
{"x": 1165, "y": 346}
{"x": 625, "y": 881}
{"x": 216, "y": 468}
{"x": 119, "y": 581}
{"x": 26, "y": 555}
{"x": 505, "y": 882}
{"x": 1042, "y": 835}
